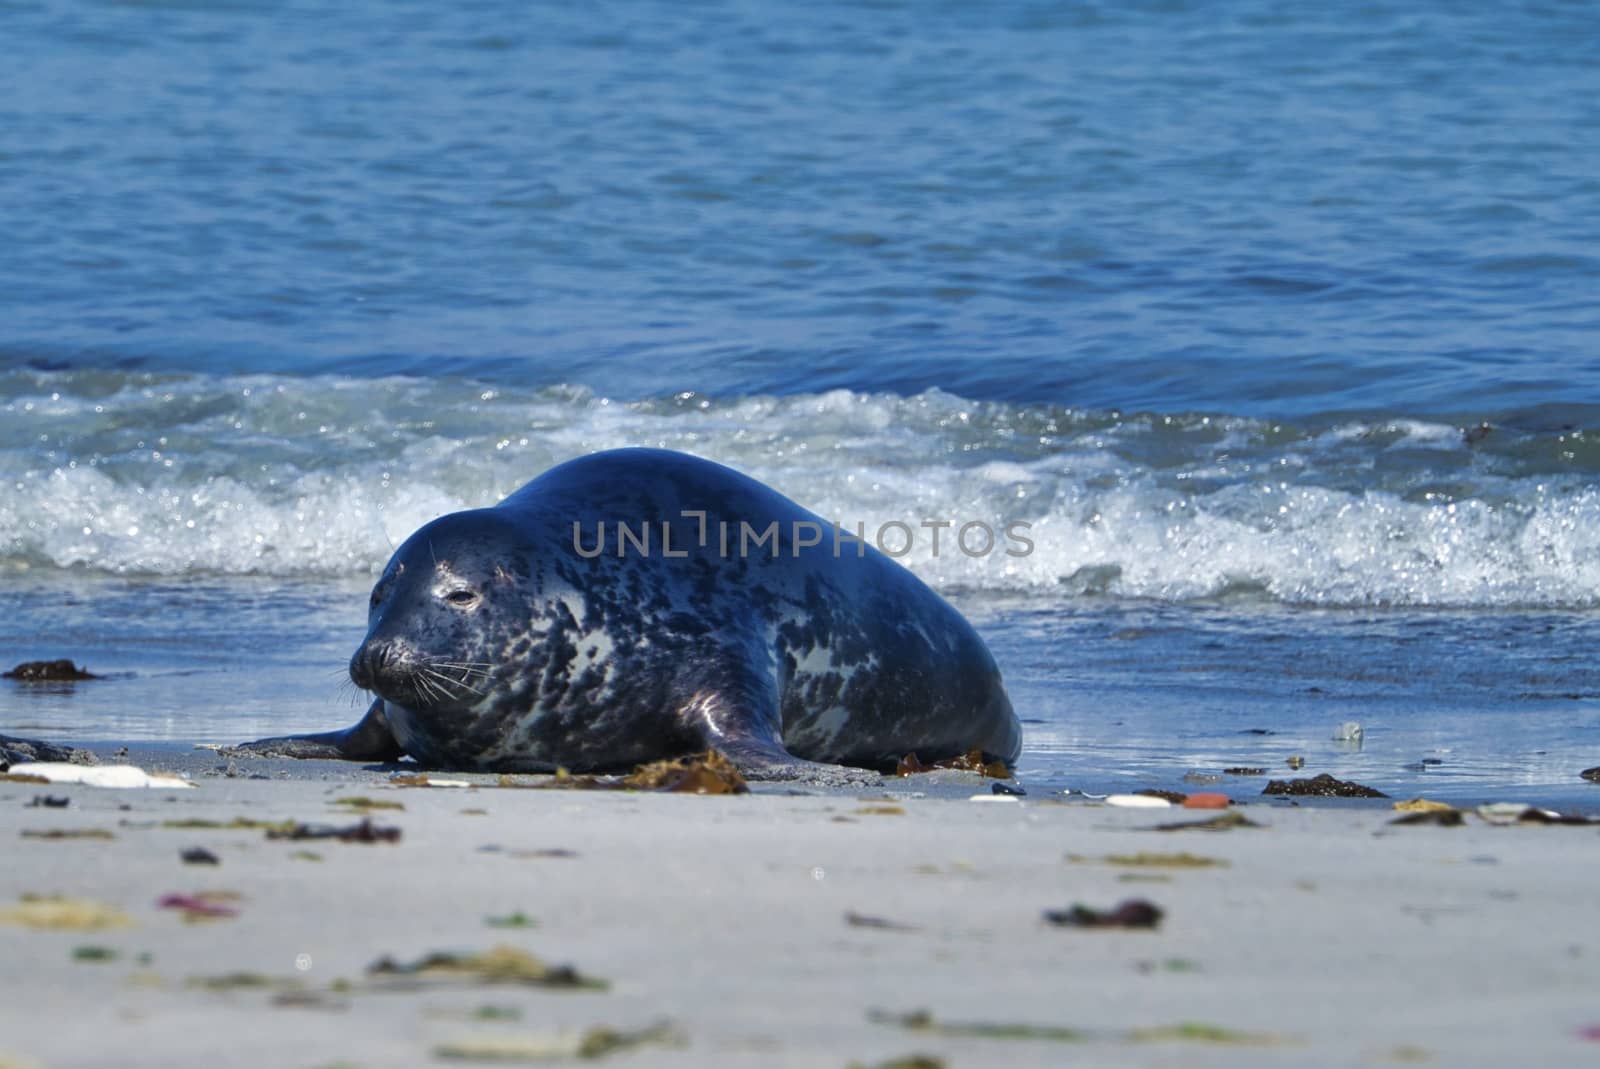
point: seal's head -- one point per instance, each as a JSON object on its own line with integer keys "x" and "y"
{"x": 450, "y": 605}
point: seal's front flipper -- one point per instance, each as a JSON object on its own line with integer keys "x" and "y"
{"x": 761, "y": 763}
{"x": 739, "y": 726}
{"x": 369, "y": 740}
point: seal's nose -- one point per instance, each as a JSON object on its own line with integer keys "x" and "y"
{"x": 372, "y": 661}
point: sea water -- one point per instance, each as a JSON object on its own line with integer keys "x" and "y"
{"x": 1275, "y": 327}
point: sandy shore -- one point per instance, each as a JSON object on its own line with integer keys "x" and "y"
{"x": 781, "y": 930}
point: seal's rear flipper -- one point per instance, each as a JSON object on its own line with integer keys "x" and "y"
{"x": 369, "y": 740}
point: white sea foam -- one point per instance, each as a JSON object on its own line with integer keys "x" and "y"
{"x": 290, "y": 477}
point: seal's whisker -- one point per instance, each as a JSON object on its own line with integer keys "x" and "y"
{"x": 434, "y": 674}
{"x": 422, "y": 685}
{"x": 461, "y": 672}
{"x": 429, "y": 687}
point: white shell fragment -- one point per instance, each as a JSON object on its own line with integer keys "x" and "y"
{"x": 1506, "y": 812}
{"x": 994, "y": 798}
{"x": 1137, "y": 801}
{"x": 98, "y": 775}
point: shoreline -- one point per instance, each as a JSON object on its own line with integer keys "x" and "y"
{"x": 204, "y": 761}
{"x": 793, "y": 930}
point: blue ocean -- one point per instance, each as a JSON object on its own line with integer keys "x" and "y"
{"x": 1277, "y": 325}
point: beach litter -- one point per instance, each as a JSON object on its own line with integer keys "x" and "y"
{"x": 422, "y": 779}
{"x": 1322, "y": 786}
{"x": 1224, "y": 821}
{"x": 923, "y": 1021}
{"x": 706, "y": 773}
{"x": 499, "y": 965}
{"x": 112, "y": 776}
{"x": 1183, "y": 1032}
{"x": 201, "y": 906}
{"x": 1423, "y": 805}
{"x": 518, "y": 919}
{"x": 94, "y": 955}
{"x": 589, "y": 1045}
{"x": 907, "y": 1061}
{"x": 1507, "y": 813}
{"x": 1143, "y": 859}
{"x": 54, "y": 913}
{"x": 1138, "y": 801}
{"x": 362, "y": 804}
{"x": 364, "y": 832}
{"x": 883, "y": 924}
{"x": 1443, "y": 818}
{"x": 1130, "y": 913}
{"x": 67, "y": 833}
{"x": 971, "y": 761}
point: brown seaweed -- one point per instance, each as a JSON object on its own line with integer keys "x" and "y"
{"x": 1224, "y": 821}
{"x": 974, "y": 760}
{"x": 364, "y": 832}
{"x": 64, "y": 914}
{"x": 500, "y": 965}
{"x": 883, "y": 924}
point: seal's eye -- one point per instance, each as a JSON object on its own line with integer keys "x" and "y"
{"x": 462, "y": 599}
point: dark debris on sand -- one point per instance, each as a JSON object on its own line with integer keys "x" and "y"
{"x": 364, "y": 832}
{"x": 1131, "y": 913}
{"x": 1323, "y": 786}
{"x": 14, "y": 751}
{"x": 62, "y": 671}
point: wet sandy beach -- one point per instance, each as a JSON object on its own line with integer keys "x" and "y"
{"x": 783, "y": 929}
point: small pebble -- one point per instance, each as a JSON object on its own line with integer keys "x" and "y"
{"x": 199, "y": 855}
{"x": 1296, "y": 762}
{"x": 1006, "y": 788}
{"x": 1206, "y": 800}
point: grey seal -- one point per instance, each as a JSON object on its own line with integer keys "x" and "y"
{"x": 638, "y": 604}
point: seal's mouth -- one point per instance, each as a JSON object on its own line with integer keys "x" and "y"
{"x": 394, "y": 671}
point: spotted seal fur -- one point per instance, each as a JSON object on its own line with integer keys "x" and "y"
{"x": 533, "y": 635}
